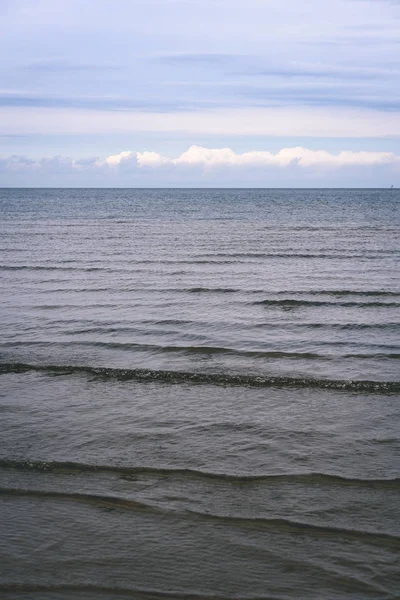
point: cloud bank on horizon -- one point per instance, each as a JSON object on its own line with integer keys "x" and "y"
{"x": 281, "y": 92}
{"x": 206, "y": 166}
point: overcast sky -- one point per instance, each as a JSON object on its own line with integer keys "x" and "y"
{"x": 200, "y": 92}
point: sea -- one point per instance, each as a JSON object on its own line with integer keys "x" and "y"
{"x": 199, "y": 394}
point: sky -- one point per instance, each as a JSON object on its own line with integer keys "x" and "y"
{"x": 153, "y": 93}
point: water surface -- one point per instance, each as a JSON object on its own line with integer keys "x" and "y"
{"x": 199, "y": 394}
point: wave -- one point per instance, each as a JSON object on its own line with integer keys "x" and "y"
{"x": 51, "y": 268}
{"x": 301, "y": 527}
{"x": 149, "y": 290}
{"x": 224, "y": 290}
{"x": 295, "y": 303}
{"x": 141, "y": 594}
{"x": 391, "y": 326}
{"x": 374, "y": 255}
{"x": 343, "y": 292}
{"x": 178, "y": 377}
{"x": 98, "y": 499}
{"x": 208, "y": 350}
{"x": 238, "y": 259}
{"x": 217, "y": 290}
{"x": 299, "y": 478}
{"x": 105, "y": 328}
{"x": 172, "y": 349}
{"x": 206, "y": 290}
{"x": 278, "y": 524}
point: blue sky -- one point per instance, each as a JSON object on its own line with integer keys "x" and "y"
{"x": 200, "y": 92}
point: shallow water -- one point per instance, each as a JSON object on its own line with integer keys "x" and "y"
{"x": 199, "y": 394}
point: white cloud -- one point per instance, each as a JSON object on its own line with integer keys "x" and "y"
{"x": 203, "y": 167}
{"x": 198, "y": 156}
{"x": 115, "y": 159}
{"x": 151, "y": 159}
{"x": 205, "y": 160}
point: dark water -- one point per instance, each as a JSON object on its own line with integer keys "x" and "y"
{"x": 199, "y": 394}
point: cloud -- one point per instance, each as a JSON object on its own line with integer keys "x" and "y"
{"x": 60, "y": 65}
{"x": 152, "y": 159}
{"x": 80, "y": 79}
{"x": 225, "y": 157}
{"x": 269, "y": 121}
{"x": 46, "y": 165}
{"x": 115, "y": 159}
{"x": 203, "y": 167}
{"x": 206, "y": 159}
{"x": 24, "y": 100}
{"x": 199, "y": 58}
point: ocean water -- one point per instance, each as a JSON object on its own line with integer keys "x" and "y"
{"x": 199, "y": 394}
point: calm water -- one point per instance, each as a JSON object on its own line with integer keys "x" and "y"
{"x": 199, "y": 394}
